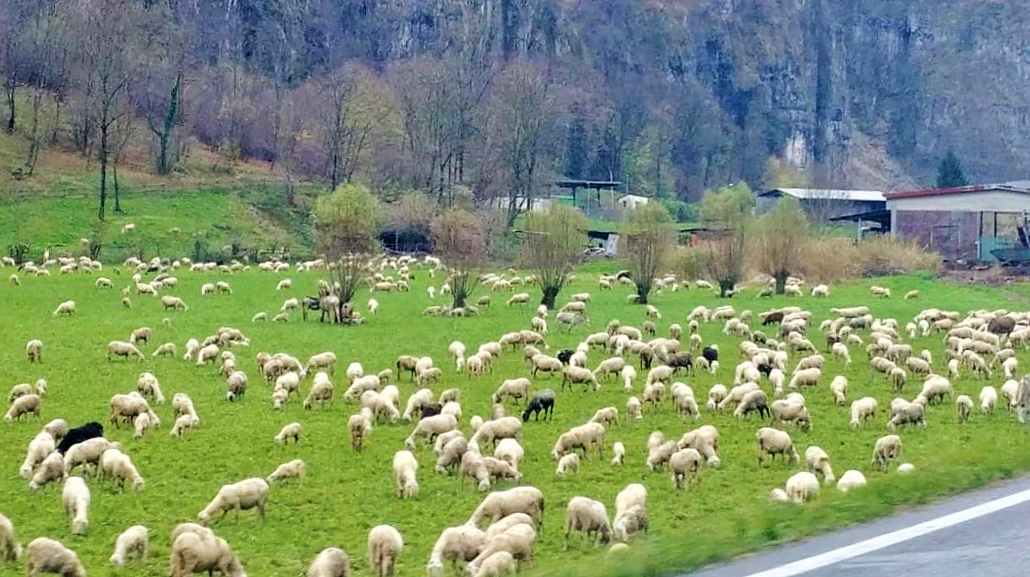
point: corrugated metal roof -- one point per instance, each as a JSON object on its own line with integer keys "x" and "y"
{"x": 1022, "y": 187}
{"x": 828, "y": 194}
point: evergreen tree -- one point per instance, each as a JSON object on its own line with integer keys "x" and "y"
{"x": 949, "y": 172}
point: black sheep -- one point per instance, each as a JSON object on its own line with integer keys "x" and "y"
{"x": 542, "y": 401}
{"x": 681, "y": 360}
{"x": 765, "y": 369}
{"x": 772, "y": 318}
{"x": 77, "y": 435}
{"x": 711, "y": 354}
{"x": 564, "y": 355}
{"x": 431, "y": 410}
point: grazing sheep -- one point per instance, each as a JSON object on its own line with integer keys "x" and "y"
{"x": 805, "y": 377}
{"x": 289, "y": 431}
{"x": 331, "y": 562}
{"x": 567, "y": 464}
{"x": 510, "y": 451}
{"x": 630, "y": 512}
{"x": 988, "y": 399}
{"x": 196, "y": 553}
{"x": 292, "y": 469}
{"x": 431, "y": 427}
{"x": 133, "y": 541}
{"x": 619, "y": 452}
{"x": 499, "y": 428}
{"x": 684, "y": 464}
{"x": 49, "y": 556}
{"x": 774, "y": 442}
{"x": 75, "y": 497}
{"x": 117, "y": 465}
{"x": 34, "y": 350}
{"x": 123, "y": 349}
{"x": 19, "y": 391}
{"x": 754, "y": 401}
{"x": 803, "y": 486}
{"x": 887, "y": 448}
{"x": 588, "y": 516}
{"x": 246, "y": 494}
{"x": 581, "y": 437}
{"x": 24, "y": 405}
{"x": 862, "y": 409}
{"x": 819, "y": 462}
{"x": 542, "y": 401}
{"x": 513, "y": 388}
{"x": 404, "y": 468}
{"x": 851, "y": 480}
{"x": 964, "y": 406}
{"x": 66, "y": 308}
{"x": 839, "y": 388}
{"x": 384, "y": 544}
{"x": 50, "y": 470}
{"x": 791, "y": 412}
{"x": 528, "y": 500}
{"x": 183, "y": 422}
{"x": 461, "y": 543}
{"x": 10, "y": 548}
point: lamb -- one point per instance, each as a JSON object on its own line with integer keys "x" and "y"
{"x": 289, "y": 431}
{"x": 148, "y": 385}
{"x": 964, "y": 406}
{"x": 66, "y": 308}
{"x": 461, "y": 543}
{"x": 513, "y": 388}
{"x": 588, "y": 516}
{"x": 567, "y": 464}
{"x": 133, "y": 541}
{"x": 582, "y": 436}
{"x": 606, "y": 416}
{"x": 851, "y": 480}
{"x": 76, "y": 503}
{"x": 528, "y": 500}
{"x": 516, "y": 542}
{"x": 118, "y": 465}
{"x": 10, "y": 548}
{"x": 292, "y": 469}
{"x": 862, "y": 409}
{"x": 684, "y": 464}
{"x": 774, "y": 442}
{"x": 24, "y": 405}
{"x": 384, "y": 544}
{"x": 50, "y": 556}
{"x": 196, "y": 553}
{"x": 123, "y": 349}
{"x": 633, "y": 408}
{"x": 34, "y": 349}
{"x": 803, "y": 486}
{"x": 887, "y": 447}
{"x": 404, "y": 467}
{"x": 619, "y": 452}
{"x": 496, "y": 429}
{"x": 819, "y": 462}
{"x": 715, "y": 395}
{"x": 331, "y": 562}
{"x": 988, "y": 399}
{"x": 246, "y": 494}
{"x": 19, "y": 391}
{"x": 430, "y": 427}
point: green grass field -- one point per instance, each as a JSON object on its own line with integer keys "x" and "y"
{"x": 345, "y": 494}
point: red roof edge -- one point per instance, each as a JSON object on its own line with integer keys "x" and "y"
{"x": 952, "y": 190}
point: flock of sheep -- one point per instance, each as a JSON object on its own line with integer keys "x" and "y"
{"x": 780, "y": 364}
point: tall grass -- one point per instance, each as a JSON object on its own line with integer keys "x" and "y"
{"x": 835, "y": 259}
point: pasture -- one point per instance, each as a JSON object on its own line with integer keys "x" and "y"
{"x": 725, "y": 511}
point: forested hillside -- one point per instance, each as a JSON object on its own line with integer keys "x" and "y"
{"x": 495, "y": 97}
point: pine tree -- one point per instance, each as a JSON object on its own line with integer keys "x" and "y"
{"x": 949, "y": 172}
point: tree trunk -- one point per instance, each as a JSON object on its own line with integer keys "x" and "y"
{"x": 781, "y": 280}
{"x": 550, "y": 296}
{"x": 643, "y": 290}
{"x": 117, "y": 191}
{"x": 164, "y": 137}
{"x": 10, "y": 88}
{"x": 103, "y": 169}
{"x": 726, "y": 287}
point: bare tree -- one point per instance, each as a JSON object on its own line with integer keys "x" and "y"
{"x": 784, "y": 229}
{"x": 107, "y": 45}
{"x": 424, "y": 96}
{"x": 552, "y": 242}
{"x": 727, "y": 210}
{"x": 44, "y": 68}
{"x": 460, "y": 240}
{"x": 163, "y": 85}
{"x": 523, "y": 113}
{"x": 348, "y": 224}
{"x": 649, "y": 242}
{"x": 346, "y": 119}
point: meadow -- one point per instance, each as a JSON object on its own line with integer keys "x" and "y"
{"x": 725, "y": 512}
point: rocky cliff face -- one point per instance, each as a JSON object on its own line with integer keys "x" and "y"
{"x": 868, "y": 93}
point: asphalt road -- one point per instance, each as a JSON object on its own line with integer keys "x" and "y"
{"x": 984, "y": 533}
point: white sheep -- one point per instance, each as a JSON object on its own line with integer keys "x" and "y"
{"x": 630, "y": 512}
{"x": 851, "y": 480}
{"x": 246, "y": 494}
{"x": 496, "y": 429}
{"x": 10, "y": 548}
{"x": 289, "y": 431}
{"x": 197, "y": 552}
{"x": 515, "y": 543}
{"x": 462, "y": 543}
{"x": 862, "y": 409}
{"x": 510, "y": 451}
{"x": 183, "y": 422}
{"x": 839, "y": 389}
{"x": 512, "y": 388}
{"x": 34, "y": 350}
{"x": 588, "y": 516}
{"x": 528, "y": 500}
{"x": 774, "y": 442}
{"x": 964, "y": 406}
{"x": 292, "y": 469}
{"x": 123, "y": 349}
{"x": 988, "y": 399}
{"x": 41, "y": 446}
{"x": 86, "y": 453}
{"x": 116, "y": 464}
{"x": 819, "y": 462}
{"x": 803, "y": 486}
{"x": 887, "y": 448}
{"x": 430, "y": 427}
{"x": 384, "y": 544}
{"x": 567, "y": 464}
{"x": 330, "y": 562}
{"x": 582, "y": 437}
{"x": 75, "y": 497}
{"x": 133, "y": 541}
{"x": 404, "y": 470}
{"x": 684, "y": 464}
{"x": 65, "y": 308}
{"x": 50, "y": 470}
{"x": 49, "y": 556}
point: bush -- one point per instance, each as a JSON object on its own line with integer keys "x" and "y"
{"x": 835, "y": 259}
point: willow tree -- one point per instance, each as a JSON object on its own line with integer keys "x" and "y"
{"x": 728, "y": 210}
{"x": 783, "y": 229}
{"x": 459, "y": 239}
{"x": 649, "y": 243}
{"x": 552, "y": 242}
{"x": 348, "y": 227}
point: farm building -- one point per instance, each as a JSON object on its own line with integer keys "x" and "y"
{"x": 964, "y": 222}
{"x": 822, "y": 204}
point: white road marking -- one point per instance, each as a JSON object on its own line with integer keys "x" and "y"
{"x": 883, "y": 541}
